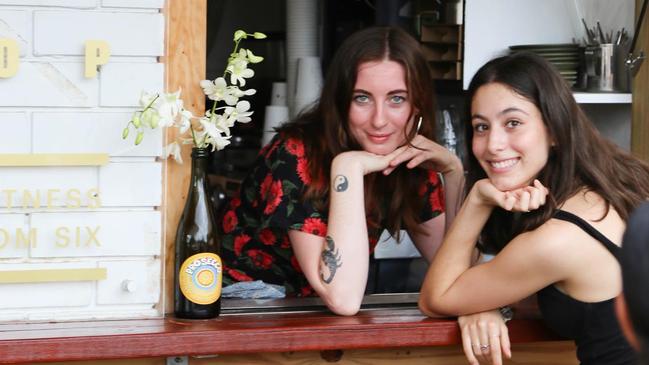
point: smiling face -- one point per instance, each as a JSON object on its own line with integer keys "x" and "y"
{"x": 380, "y": 107}
{"x": 510, "y": 140}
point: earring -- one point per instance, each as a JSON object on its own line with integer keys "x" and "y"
{"x": 419, "y": 124}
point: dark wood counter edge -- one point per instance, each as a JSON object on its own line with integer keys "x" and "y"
{"x": 229, "y": 334}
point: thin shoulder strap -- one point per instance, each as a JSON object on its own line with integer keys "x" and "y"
{"x": 569, "y": 217}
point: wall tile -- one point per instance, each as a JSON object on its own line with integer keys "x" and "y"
{"x": 133, "y": 3}
{"x": 17, "y": 25}
{"x": 143, "y": 187}
{"x": 123, "y": 83}
{"x": 128, "y": 34}
{"x": 61, "y": 3}
{"x": 125, "y": 233}
{"x": 49, "y": 84}
{"x": 16, "y": 137}
{"x": 90, "y": 132}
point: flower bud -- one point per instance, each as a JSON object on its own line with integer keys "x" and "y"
{"x": 138, "y": 138}
{"x": 154, "y": 120}
{"x": 252, "y": 58}
{"x": 125, "y": 133}
{"x": 259, "y": 35}
{"x": 240, "y": 34}
{"x": 136, "y": 120}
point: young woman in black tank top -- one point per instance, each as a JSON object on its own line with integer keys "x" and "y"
{"x": 549, "y": 197}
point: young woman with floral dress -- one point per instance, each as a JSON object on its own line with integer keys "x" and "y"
{"x": 361, "y": 160}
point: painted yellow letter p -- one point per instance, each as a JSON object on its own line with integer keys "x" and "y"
{"x": 8, "y": 57}
{"x": 97, "y": 53}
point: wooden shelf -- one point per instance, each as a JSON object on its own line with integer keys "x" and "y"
{"x": 240, "y": 333}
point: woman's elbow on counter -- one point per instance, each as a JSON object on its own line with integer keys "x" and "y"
{"x": 343, "y": 307}
{"x": 430, "y": 307}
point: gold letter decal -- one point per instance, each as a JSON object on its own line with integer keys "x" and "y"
{"x": 97, "y": 53}
{"x": 9, "y": 55}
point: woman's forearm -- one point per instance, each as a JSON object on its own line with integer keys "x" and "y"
{"x": 454, "y": 257}
{"x": 345, "y": 255}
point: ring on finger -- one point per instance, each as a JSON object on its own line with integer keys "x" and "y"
{"x": 484, "y": 347}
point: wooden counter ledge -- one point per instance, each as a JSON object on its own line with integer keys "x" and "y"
{"x": 240, "y": 333}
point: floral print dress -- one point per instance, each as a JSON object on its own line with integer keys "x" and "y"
{"x": 255, "y": 243}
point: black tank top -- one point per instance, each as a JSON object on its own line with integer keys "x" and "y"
{"x": 593, "y": 326}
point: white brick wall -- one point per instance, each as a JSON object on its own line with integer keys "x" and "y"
{"x": 50, "y": 107}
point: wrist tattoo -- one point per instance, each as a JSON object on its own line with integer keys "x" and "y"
{"x": 331, "y": 259}
{"x": 340, "y": 183}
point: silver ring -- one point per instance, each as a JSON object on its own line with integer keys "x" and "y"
{"x": 484, "y": 347}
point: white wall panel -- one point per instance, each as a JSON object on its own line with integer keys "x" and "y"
{"x": 16, "y": 133}
{"x": 131, "y": 184}
{"x": 38, "y": 180}
{"x": 134, "y": 233}
{"x": 87, "y": 132}
{"x": 130, "y": 282}
{"x": 11, "y": 246}
{"x": 123, "y": 83}
{"x": 36, "y": 295}
{"x": 128, "y": 34}
{"x": 49, "y": 84}
{"x": 16, "y": 25}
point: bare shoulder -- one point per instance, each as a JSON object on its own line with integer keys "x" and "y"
{"x": 553, "y": 247}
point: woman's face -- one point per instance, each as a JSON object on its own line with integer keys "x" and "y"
{"x": 380, "y": 107}
{"x": 510, "y": 140}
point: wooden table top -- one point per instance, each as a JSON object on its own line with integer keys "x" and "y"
{"x": 237, "y": 333}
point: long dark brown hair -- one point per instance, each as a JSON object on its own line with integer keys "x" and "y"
{"x": 580, "y": 158}
{"x": 325, "y": 127}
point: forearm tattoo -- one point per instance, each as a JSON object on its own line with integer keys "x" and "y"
{"x": 331, "y": 259}
{"x": 340, "y": 183}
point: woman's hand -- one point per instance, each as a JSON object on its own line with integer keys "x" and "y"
{"x": 426, "y": 154}
{"x": 485, "y": 338}
{"x": 523, "y": 199}
{"x": 368, "y": 162}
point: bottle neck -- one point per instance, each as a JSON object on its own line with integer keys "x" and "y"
{"x": 200, "y": 158}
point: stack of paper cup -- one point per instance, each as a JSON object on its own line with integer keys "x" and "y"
{"x": 275, "y": 116}
{"x": 308, "y": 83}
{"x": 278, "y": 94}
{"x": 301, "y": 39}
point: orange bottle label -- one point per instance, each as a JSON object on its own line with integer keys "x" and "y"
{"x": 200, "y": 278}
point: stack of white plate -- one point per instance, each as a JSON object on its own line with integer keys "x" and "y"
{"x": 565, "y": 57}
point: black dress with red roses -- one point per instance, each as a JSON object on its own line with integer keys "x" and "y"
{"x": 255, "y": 243}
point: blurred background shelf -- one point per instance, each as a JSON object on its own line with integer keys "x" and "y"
{"x": 602, "y": 98}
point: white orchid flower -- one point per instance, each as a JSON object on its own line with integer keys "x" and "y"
{"x": 223, "y": 124}
{"x": 218, "y": 90}
{"x": 185, "y": 121}
{"x": 169, "y": 105}
{"x": 173, "y": 150}
{"x": 238, "y": 69}
{"x": 146, "y": 99}
{"x": 214, "y": 136}
{"x": 239, "y": 113}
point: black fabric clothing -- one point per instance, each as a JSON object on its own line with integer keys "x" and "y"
{"x": 593, "y": 326}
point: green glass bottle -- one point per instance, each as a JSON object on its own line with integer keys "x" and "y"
{"x": 198, "y": 267}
